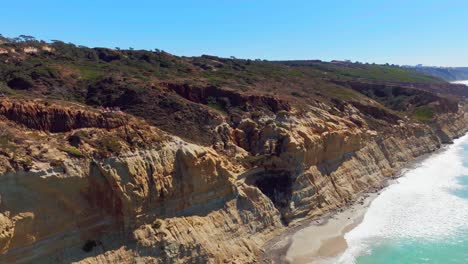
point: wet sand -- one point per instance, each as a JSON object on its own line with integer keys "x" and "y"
{"x": 317, "y": 238}
{"x": 326, "y": 239}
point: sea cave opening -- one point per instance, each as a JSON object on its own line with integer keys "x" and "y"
{"x": 276, "y": 185}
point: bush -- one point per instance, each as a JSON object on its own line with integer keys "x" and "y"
{"x": 6, "y": 142}
{"x": 4, "y": 89}
{"x": 157, "y": 224}
{"x": 110, "y": 144}
{"x": 20, "y": 82}
{"x": 72, "y": 151}
{"x": 44, "y": 72}
{"x": 78, "y": 138}
{"x": 423, "y": 113}
{"x": 296, "y": 94}
{"x": 217, "y": 104}
{"x": 89, "y": 245}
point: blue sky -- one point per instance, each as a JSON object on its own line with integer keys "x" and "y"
{"x": 401, "y": 32}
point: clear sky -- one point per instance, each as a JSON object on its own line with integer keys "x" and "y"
{"x": 397, "y": 31}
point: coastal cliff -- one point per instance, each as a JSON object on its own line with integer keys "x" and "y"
{"x": 179, "y": 173}
{"x": 181, "y": 202}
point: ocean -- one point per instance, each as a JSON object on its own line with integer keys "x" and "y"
{"x": 422, "y": 218}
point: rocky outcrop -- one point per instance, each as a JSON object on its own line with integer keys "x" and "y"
{"x": 56, "y": 119}
{"x": 229, "y": 97}
{"x": 178, "y": 203}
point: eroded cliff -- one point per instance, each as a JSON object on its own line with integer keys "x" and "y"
{"x": 145, "y": 157}
{"x": 171, "y": 201}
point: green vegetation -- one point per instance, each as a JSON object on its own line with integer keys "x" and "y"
{"x": 89, "y": 72}
{"x": 446, "y": 73}
{"x": 423, "y": 113}
{"x": 296, "y": 94}
{"x": 4, "y": 89}
{"x": 82, "y": 135}
{"x": 218, "y": 105}
{"x": 348, "y": 70}
{"x": 343, "y": 93}
{"x": 6, "y": 143}
{"x": 167, "y": 90}
{"x": 72, "y": 151}
{"x": 70, "y": 71}
{"x": 157, "y": 224}
{"x": 110, "y": 144}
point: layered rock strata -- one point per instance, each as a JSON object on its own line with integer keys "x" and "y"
{"x": 178, "y": 202}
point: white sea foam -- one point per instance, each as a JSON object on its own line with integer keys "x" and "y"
{"x": 420, "y": 206}
{"x": 465, "y": 82}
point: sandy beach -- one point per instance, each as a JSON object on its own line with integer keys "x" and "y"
{"x": 325, "y": 238}
{"x": 318, "y": 238}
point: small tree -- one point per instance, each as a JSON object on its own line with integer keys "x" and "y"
{"x": 27, "y": 38}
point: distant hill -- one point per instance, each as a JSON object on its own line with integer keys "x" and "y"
{"x": 448, "y": 74}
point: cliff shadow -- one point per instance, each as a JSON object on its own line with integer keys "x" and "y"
{"x": 276, "y": 185}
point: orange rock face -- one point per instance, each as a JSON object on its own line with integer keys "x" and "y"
{"x": 171, "y": 201}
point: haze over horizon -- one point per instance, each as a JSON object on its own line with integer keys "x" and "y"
{"x": 395, "y": 32}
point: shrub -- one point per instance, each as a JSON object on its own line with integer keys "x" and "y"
{"x": 89, "y": 245}
{"x": 72, "y": 151}
{"x": 20, "y": 82}
{"x": 44, "y": 72}
{"x": 6, "y": 90}
{"x": 157, "y": 224}
{"x": 217, "y": 104}
{"x": 78, "y": 138}
{"x": 110, "y": 144}
{"x": 423, "y": 113}
{"x": 296, "y": 94}
{"x": 6, "y": 142}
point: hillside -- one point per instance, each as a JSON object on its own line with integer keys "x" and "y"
{"x": 449, "y": 74}
{"x": 157, "y": 85}
{"x": 110, "y": 155}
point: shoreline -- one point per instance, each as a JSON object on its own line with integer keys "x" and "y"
{"x": 328, "y": 234}
{"x": 327, "y": 237}
{"x": 329, "y": 229}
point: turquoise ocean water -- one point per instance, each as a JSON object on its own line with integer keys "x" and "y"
{"x": 422, "y": 218}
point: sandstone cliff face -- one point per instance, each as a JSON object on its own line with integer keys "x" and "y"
{"x": 55, "y": 119}
{"x": 186, "y": 187}
{"x": 178, "y": 202}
